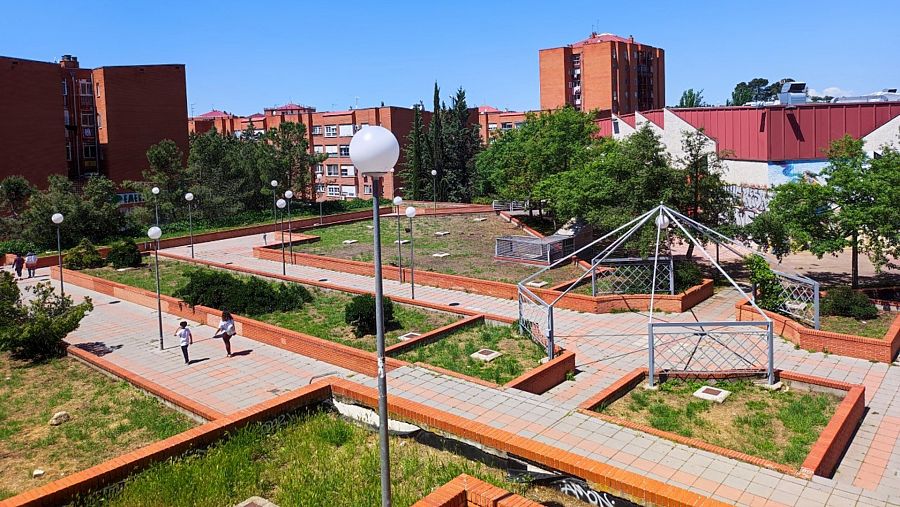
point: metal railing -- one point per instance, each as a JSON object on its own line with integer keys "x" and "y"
{"x": 631, "y": 275}
{"x": 800, "y": 297}
{"x": 536, "y": 319}
{"x": 509, "y": 205}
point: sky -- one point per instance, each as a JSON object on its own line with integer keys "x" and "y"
{"x": 244, "y": 56}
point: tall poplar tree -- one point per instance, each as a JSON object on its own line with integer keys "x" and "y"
{"x": 436, "y": 144}
{"x": 414, "y": 171}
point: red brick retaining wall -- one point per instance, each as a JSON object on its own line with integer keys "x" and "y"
{"x": 546, "y": 376}
{"x": 873, "y": 349}
{"x": 433, "y": 335}
{"x": 467, "y": 491}
{"x": 823, "y": 456}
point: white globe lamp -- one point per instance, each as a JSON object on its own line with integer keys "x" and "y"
{"x": 57, "y": 218}
{"x": 289, "y": 194}
{"x": 410, "y": 212}
{"x": 374, "y": 151}
{"x": 398, "y": 201}
{"x": 188, "y": 197}
{"x": 662, "y": 221}
{"x": 155, "y": 190}
{"x": 154, "y": 233}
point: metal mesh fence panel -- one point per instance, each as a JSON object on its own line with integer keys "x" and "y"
{"x": 536, "y": 319}
{"x": 801, "y": 298}
{"x": 632, "y": 276}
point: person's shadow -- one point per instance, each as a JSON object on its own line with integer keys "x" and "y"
{"x": 195, "y": 361}
{"x": 242, "y": 353}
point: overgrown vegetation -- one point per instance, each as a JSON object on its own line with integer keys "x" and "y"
{"x": 124, "y": 254}
{"x": 359, "y": 313}
{"x": 83, "y": 256}
{"x": 33, "y": 330}
{"x": 769, "y": 292}
{"x": 332, "y": 462}
{"x": 779, "y": 426}
{"x": 108, "y": 418}
{"x": 846, "y": 302}
{"x": 687, "y": 275}
{"x": 243, "y": 295}
{"x": 453, "y": 352}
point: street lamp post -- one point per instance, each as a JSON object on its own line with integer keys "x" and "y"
{"x": 155, "y": 191}
{"x": 374, "y": 151}
{"x": 190, "y": 197}
{"x": 274, "y": 184}
{"x": 397, "y": 202}
{"x": 57, "y": 219}
{"x": 434, "y": 187}
{"x": 411, "y": 213}
{"x": 280, "y": 204}
{"x": 288, "y": 195}
{"x": 154, "y": 233}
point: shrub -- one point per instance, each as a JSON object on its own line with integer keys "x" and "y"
{"x": 687, "y": 275}
{"x": 83, "y": 256}
{"x": 846, "y": 302}
{"x": 14, "y": 246}
{"x": 248, "y": 296}
{"x": 360, "y": 314}
{"x": 770, "y": 294}
{"x": 124, "y": 254}
{"x": 35, "y": 330}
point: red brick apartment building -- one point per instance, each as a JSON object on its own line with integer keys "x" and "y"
{"x": 81, "y": 122}
{"x": 605, "y": 72}
{"x": 328, "y": 132}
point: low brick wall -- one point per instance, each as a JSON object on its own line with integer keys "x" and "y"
{"x": 546, "y": 376}
{"x": 824, "y": 455}
{"x": 467, "y": 491}
{"x": 433, "y": 335}
{"x": 873, "y": 349}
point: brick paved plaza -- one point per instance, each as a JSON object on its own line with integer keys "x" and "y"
{"x": 606, "y": 345}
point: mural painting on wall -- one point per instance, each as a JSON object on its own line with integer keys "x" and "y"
{"x": 788, "y": 171}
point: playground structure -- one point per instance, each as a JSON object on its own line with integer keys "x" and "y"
{"x": 702, "y": 349}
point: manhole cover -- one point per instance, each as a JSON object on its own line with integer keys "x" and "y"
{"x": 711, "y": 394}
{"x": 408, "y": 336}
{"x": 486, "y": 355}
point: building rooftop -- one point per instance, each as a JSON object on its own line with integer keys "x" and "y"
{"x": 487, "y": 109}
{"x": 290, "y": 106}
{"x": 597, "y": 38}
{"x": 215, "y": 113}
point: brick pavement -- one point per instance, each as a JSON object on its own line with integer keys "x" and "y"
{"x": 608, "y": 346}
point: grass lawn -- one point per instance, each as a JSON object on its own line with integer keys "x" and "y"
{"x": 109, "y": 418}
{"x": 875, "y": 328}
{"x": 470, "y": 245}
{"x": 324, "y": 317}
{"x": 778, "y": 426}
{"x": 452, "y": 352}
{"x": 308, "y": 460}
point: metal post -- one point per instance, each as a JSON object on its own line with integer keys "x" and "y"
{"x": 290, "y": 229}
{"x": 650, "y": 367}
{"x": 399, "y": 248}
{"x": 320, "y": 212}
{"x": 671, "y": 274}
{"x": 156, "y": 206}
{"x": 382, "y": 377}
{"x": 191, "y": 228}
{"x": 412, "y": 264}
{"x": 550, "y": 347}
{"x": 594, "y": 280}
{"x": 521, "y": 320}
{"x": 434, "y": 193}
{"x": 816, "y": 304}
{"x": 62, "y": 289}
{"x": 770, "y": 344}
{"x": 158, "y": 298}
{"x": 283, "y": 262}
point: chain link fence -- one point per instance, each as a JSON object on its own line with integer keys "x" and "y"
{"x": 536, "y": 319}
{"x": 632, "y": 276}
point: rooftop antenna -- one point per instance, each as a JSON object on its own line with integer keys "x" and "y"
{"x": 192, "y": 109}
{"x": 357, "y": 103}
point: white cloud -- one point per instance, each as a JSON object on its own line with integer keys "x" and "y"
{"x": 832, "y": 91}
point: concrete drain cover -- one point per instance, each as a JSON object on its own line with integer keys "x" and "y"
{"x": 486, "y": 355}
{"x": 441, "y": 233}
{"x": 440, "y": 255}
{"x": 536, "y": 284}
{"x": 349, "y": 241}
{"x": 255, "y": 501}
{"x": 401, "y": 241}
{"x": 408, "y": 336}
{"x": 481, "y": 219}
{"x": 712, "y": 394}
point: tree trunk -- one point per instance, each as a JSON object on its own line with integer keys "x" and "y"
{"x": 690, "y": 251}
{"x": 854, "y": 261}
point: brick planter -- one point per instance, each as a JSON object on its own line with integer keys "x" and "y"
{"x": 823, "y": 457}
{"x": 873, "y": 349}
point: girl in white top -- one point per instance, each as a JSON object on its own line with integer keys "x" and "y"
{"x": 186, "y": 339}
{"x": 226, "y": 331}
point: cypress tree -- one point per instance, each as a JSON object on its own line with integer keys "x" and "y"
{"x": 414, "y": 172}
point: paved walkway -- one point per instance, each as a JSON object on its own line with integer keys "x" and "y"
{"x": 607, "y": 346}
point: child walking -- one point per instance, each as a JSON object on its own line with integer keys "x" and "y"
{"x": 226, "y": 331}
{"x": 186, "y": 339}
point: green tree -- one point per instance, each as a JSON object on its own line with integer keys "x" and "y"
{"x": 414, "y": 172}
{"x": 293, "y": 162}
{"x": 691, "y": 98}
{"x": 461, "y": 144}
{"x": 436, "y": 144}
{"x": 14, "y": 193}
{"x": 166, "y": 172}
{"x": 757, "y": 89}
{"x": 857, "y": 206}
{"x": 223, "y": 175}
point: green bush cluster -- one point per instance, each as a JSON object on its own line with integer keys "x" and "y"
{"x": 83, "y": 256}
{"x": 769, "y": 292}
{"x": 247, "y": 296}
{"x": 846, "y": 302}
{"x": 14, "y": 246}
{"x": 360, "y": 314}
{"x": 35, "y": 330}
{"x": 124, "y": 254}
{"x": 687, "y": 275}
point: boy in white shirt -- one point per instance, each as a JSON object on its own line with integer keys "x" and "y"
{"x": 186, "y": 339}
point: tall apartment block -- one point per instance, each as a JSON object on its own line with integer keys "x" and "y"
{"x": 328, "y": 133}
{"x": 81, "y": 122}
{"x": 604, "y": 72}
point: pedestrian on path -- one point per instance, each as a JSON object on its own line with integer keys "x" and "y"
{"x": 226, "y": 331}
{"x": 18, "y": 262}
{"x": 186, "y": 339}
{"x": 31, "y": 263}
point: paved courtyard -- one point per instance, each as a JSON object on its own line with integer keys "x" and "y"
{"x": 606, "y": 346}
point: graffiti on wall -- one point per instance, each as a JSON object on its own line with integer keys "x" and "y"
{"x": 579, "y": 489}
{"x": 751, "y": 201}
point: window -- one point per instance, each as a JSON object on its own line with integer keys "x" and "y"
{"x": 492, "y": 126}
{"x": 367, "y": 189}
{"x": 65, "y": 88}
{"x": 519, "y": 124}
{"x": 348, "y": 191}
{"x": 317, "y": 130}
{"x": 89, "y": 151}
{"x": 85, "y": 87}
{"x": 345, "y": 131}
{"x": 330, "y": 130}
{"x": 332, "y": 170}
{"x": 319, "y": 148}
{"x": 344, "y": 150}
{"x": 331, "y": 150}
{"x": 347, "y": 170}
{"x": 334, "y": 191}
{"x": 97, "y": 87}
{"x": 88, "y": 132}
{"x": 68, "y": 150}
{"x": 506, "y": 125}
{"x": 98, "y": 122}
{"x": 615, "y": 126}
{"x": 87, "y": 118}
{"x": 319, "y": 169}
{"x": 320, "y": 188}
{"x": 66, "y": 117}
